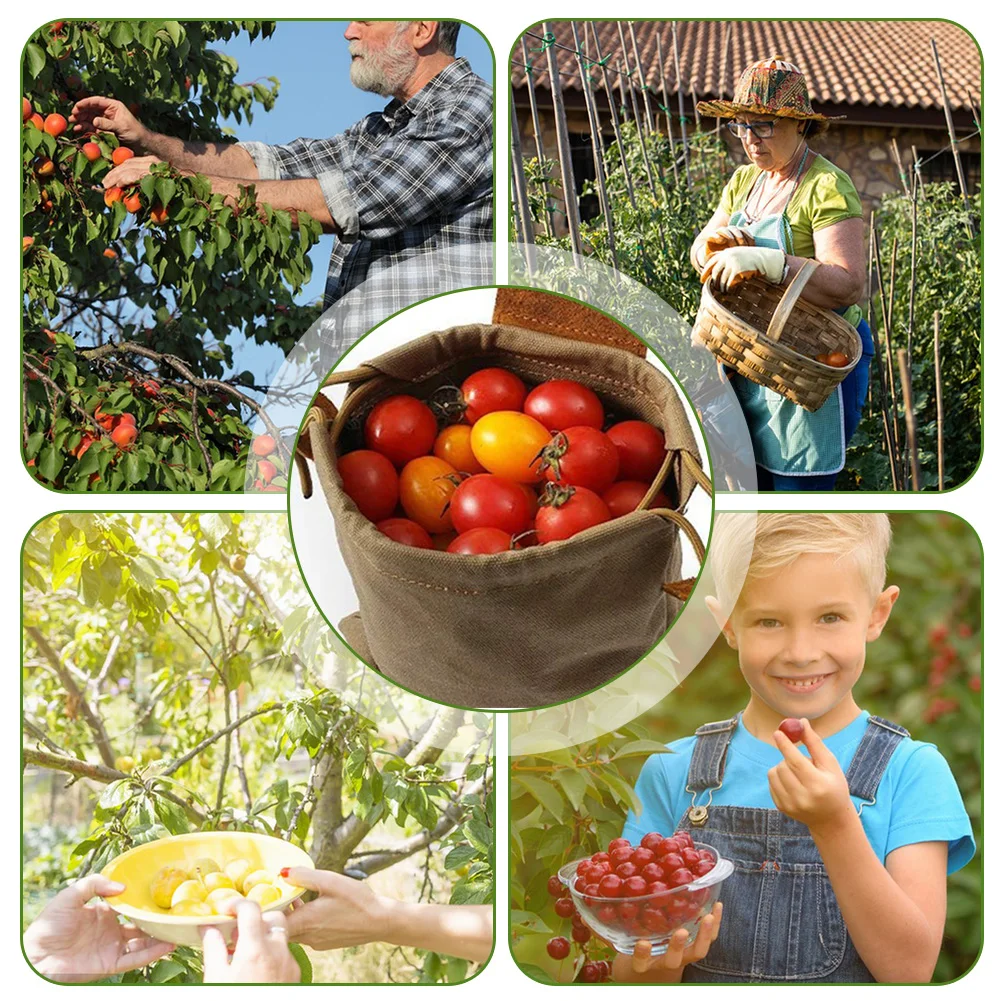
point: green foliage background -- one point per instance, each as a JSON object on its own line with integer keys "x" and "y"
{"x": 652, "y": 243}
{"x": 145, "y": 636}
{"x": 174, "y": 292}
{"x": 925, "y": 672}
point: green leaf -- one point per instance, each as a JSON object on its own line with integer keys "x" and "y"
{"x": 544, "y": 793}
{"x": 638, "y": 748}
{"x": 187, "y": 241}
{"x": 460, "y": 855}
{"x": 305, "y": 966}
{"x": 34, "y": 57}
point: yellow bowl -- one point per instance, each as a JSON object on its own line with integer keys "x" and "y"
{"x": 136, "y": 867}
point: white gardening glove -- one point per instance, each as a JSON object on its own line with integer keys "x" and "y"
{"x": 729, "y": 267}
{"x": 720, "y": 239}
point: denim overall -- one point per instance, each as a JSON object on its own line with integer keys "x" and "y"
{"x": 781, "y": 921}
{"x": 796, "y": 449}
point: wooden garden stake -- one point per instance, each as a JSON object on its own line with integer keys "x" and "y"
{"x": 891, "y": 446}
{"x": 536, "y": 126}
{"x": 563, "y": 149}
{"x": 973, "y": 110}
{"x": 599, "y": 161}
{"x": 917, "y": 170}
{"x": 914, "y": 272}
{"x": 895, "y": 149}
{"x": 641, "y": 70}
{"x": 681, "y": 102}
{"x": 952, "y": 138}
{"x": 667, "y": 111}
{"x": 625, "y": 71}
{"x": 912, "y": 438}
{"x": 523, "y": 213}
{"x": 939, "y": 408}
{"x": 888, "y": 346}
{"x": 722, "y": 84}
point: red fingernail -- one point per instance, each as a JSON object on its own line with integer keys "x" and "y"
{"x": 284, "y": 872}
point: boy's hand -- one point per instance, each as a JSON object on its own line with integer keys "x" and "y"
{"x": 669, "y": 967}
{"x": 812, "y": 790}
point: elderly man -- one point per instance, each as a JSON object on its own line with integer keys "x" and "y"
{"x": 408, "y": 189}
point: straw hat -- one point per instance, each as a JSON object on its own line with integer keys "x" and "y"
{"x": 768, "y": 87}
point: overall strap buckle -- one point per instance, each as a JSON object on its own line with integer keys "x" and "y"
{"x": 705, "y": 773}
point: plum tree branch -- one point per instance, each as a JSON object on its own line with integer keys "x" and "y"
{"x": 93, "y": 721}
{"x": 199, "y": 747}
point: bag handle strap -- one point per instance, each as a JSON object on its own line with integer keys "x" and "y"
{"x": 546, "y": 313}
{"x": 321, "y": 412}
{"x": 789, "y": 299}
{"x": 682, "y": 589}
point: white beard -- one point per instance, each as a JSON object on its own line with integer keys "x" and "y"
{"x": 382, "y": 72}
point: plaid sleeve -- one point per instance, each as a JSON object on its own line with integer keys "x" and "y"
{"x": 422, "y": 171}
{"x": 301, "y": 157}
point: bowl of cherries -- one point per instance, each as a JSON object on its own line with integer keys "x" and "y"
{"x": 646, "y": 892}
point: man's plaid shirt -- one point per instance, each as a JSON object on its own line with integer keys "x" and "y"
{"x": 402, "y": 184}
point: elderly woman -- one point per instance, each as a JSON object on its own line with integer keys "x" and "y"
{"x": 787, "y": 205}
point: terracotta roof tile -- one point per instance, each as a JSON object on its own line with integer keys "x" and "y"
{"x": 877, "y": 63}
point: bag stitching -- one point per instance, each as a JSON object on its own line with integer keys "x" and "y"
{"x": 617, "y": 338}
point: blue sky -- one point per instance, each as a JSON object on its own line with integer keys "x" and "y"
{"x": 316, "y": 99}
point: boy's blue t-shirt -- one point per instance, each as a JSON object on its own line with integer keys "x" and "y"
{"x": 917, "y": 799}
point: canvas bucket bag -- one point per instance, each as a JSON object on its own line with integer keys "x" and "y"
{"x": 535, "y": 626}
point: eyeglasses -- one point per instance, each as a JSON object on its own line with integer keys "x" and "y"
{"x": 761, "y": 130}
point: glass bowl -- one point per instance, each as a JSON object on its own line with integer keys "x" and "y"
{"x": 655, "y": 917}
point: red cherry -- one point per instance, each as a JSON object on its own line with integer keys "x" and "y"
{"x": 937, "y": 634}
{"x": 610, "y": 886}
{"x": 704, "y": 867}
{"x": 583, "y": 866}
{"x": 626, "y": 870}
{"x": 580, "y": 884}
{"x": 599, "y": 869}
{"x": 605, "y": 914}
{"x": 628, "y": 910}
{"x": 659, "y": 889}
{"x": 654, "y": 920}
{"x": 651, "y": 840}
{"x": 635, "y": 886}
{"x": 642, "y": 856}
{"x": 555, "y": 886}
{"x": 600, "y": 857}
{"x": 683, "y": 838}
{"x": 793, "y": 729}
{"x": 576, "y": 920}
{"x": 558, "y": 948}
{"x": 680, "y": 877}
{"x": 651, "y": 872}
{"x": 618, "y": 843}
{"x": 690, "y": 857}
{"x": 590, "y": 973}
{"x": 666, "y": 847}
{"x": 593, "y": 890}
{"x": 564, "y": 907}
{"x": 581, "y": 935}
{"x": 672, "y": 861}
{"x": 706, "y": 855}
{"x": 620, "y": 855}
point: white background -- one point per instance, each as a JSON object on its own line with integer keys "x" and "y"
{"x": 312, "y": 523}
{"x": 25, "y": 501}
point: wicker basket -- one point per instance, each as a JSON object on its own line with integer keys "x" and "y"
{"x": 784, "y": 357}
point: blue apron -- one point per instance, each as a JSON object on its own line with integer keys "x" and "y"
{"x": 781, "y": 920}
{"x": 801, "y": 449}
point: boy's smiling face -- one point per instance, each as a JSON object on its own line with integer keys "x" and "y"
{"x": 801, "y": 636}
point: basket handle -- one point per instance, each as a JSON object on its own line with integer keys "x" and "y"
{"x": 321, "y": 412}
{"x": 788, "y": 301}
{"x": 547, "y": 313}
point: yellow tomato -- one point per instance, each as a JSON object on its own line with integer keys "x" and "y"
{"x": 426, "y": 487}
{"x": 452, "y": 445}
{"x": 508, "y": 444}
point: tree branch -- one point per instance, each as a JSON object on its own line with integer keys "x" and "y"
{"x": 73, "y": 766}
{"x": 199, "y": 747}
{"x": 92, "y": 720}
{"x": 451, "y": 817}
{"x": 41, "y": 736}
{"x": 108, "y": 661}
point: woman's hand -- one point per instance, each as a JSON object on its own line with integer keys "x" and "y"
{"x": 261, "y": 954}
{"x": 74, "y": 941}
{"x": 346, "y": 912}
{"x": 727, "y": 268}
{"x": 640, "y": 967}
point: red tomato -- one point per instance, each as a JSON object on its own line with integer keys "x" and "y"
{"x": 426, "y": 487}
{"x": 533, "y": 501}
{"x": 401, "y": 428}
{"x": 583, "y": 457}
{"x": 371, "y": 482}
{"x": 406, "y": 532}
{"x": 565, "y": 511}
{"x": 492, "y": 389}
{"x": 487, "y": 501}
{"x": 508, "y": 444}
{"x": 641, "y": 449}
{"x": 625, "y": 496}
{"x": 452, "y": 445}
{"x": 561, "y": 403}
{"x": 480, "y": 541}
